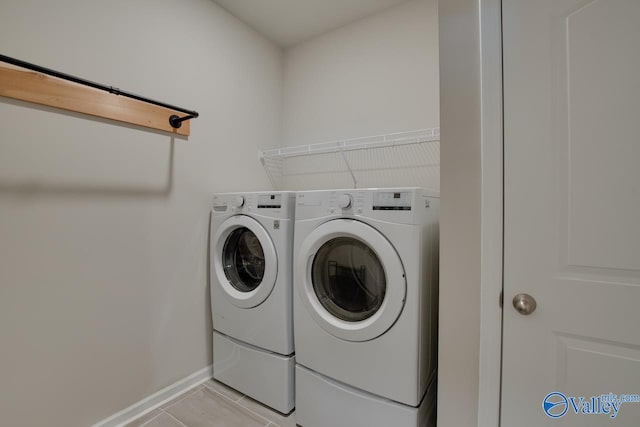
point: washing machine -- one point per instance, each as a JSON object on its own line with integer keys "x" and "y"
{"x": 365, "y": 307}
{"x": 251, "y": 295}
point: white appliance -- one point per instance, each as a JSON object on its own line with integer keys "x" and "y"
{"x": 251, "y": 295}
{"x": 365, "y": 307}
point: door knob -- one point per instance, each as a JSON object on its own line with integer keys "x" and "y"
{"x": 524, "y": 304}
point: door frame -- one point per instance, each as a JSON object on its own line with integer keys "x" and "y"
{"x": 471, "y": 215}
{"x": 492, "y": 214}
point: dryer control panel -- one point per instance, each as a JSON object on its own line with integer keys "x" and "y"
{"x": 401, "y": 205}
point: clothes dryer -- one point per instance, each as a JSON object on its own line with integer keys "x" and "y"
{"x": 251, "y": 295}
{"x": 365, "y": 307}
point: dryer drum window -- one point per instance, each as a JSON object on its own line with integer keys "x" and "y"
{"x": 243, "y": 260}
{"x": 348, "y": 279}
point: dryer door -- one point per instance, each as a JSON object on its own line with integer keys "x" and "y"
{"x": 352, "y": 281}
{"x": 244, "y": 261}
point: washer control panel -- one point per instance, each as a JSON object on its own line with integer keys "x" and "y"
{"x": 392, "y": 201}
{"x": 402, "y": 205}
{"x": 379, "y": 201}
{"x": 272, "y": 204}
{"x": 345, "y": 202}
{"x": 269, "y": 201}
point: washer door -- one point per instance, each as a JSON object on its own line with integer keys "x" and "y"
{"x": 354, "y": 285}
{"x": 244, "y": 261}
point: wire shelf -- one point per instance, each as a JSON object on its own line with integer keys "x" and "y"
{"x": 378, "y": 141}
{"x": 379, "y": 160}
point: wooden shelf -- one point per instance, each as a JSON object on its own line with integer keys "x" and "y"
{"x": 26, "y": 85}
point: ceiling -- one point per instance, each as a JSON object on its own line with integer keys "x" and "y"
{"x": 288, "y": 22}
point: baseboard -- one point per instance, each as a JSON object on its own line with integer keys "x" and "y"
{"x": 156, "y": 400}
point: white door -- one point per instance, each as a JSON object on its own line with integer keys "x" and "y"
{"x": 572, "y": 212}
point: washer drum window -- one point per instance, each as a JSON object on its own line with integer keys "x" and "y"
{"x": 243, "y": 260}
{"x": 348, "y": 279}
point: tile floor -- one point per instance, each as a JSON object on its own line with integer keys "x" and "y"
{"x": 213, "y": 404}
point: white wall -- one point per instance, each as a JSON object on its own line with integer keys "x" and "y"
{"x": 103, "y": 226}
{"x": 378, "y": 75}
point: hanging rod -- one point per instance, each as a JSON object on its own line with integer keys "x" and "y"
{"x": 174, "y": 120}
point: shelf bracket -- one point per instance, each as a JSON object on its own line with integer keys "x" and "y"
{"x": 346, "y": 162}
{"x": 176, "y": 121}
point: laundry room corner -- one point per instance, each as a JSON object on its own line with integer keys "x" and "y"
{"x": 375, "y": 77}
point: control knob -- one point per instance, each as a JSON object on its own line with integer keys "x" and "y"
{"x": 238, "y": 201}
{"x": 344, "y": 201}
